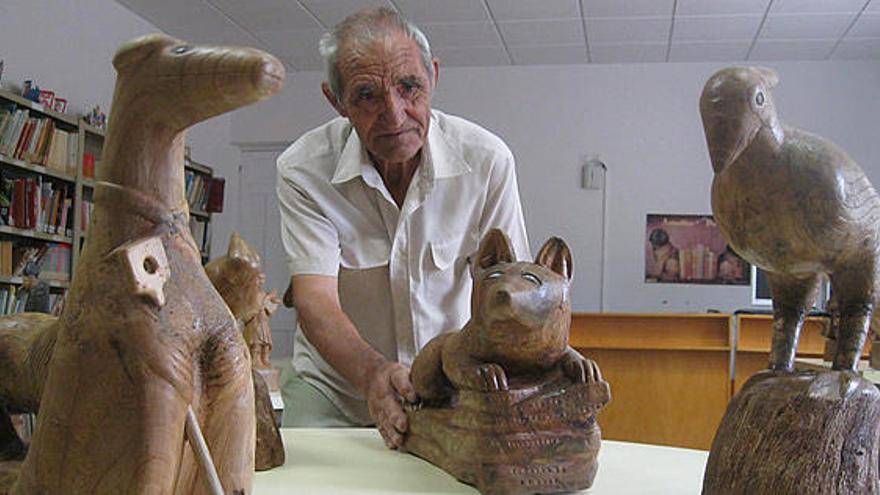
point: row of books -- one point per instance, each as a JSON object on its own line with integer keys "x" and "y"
{"x": 37, "y": 204}
{"x": 54, "y": 261}
{"x": 52, "y": 258}
{"x": 203, "y": 192}
{"x": 37, "y": 140}
{"x": 13, "y": 300}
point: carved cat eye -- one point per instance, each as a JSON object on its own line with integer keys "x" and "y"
{"x": 495, "y": 274}
{"x": 531, "y": 278}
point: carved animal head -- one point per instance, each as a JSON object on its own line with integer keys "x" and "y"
{"x": 735, "y": 105}
{"x": 192, "y": 83}
{"x": 522, "y": 310}
{"x": 238, "y": 277}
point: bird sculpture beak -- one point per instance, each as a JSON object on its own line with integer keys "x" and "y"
{"x": 726, "y": 138}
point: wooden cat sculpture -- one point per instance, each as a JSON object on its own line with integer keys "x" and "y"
{"x": 507, "y": 405}
{"x": 238, "y": 277}
{"x": 145, "y": 351}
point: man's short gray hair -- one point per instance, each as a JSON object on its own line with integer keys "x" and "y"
{"x": 363, "y": 27}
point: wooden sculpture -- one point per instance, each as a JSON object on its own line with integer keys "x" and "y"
{"x": 238, "y": 277}
{"x": 795, "y": 205}
{"x": 147, "y": 362}
{"x": 507, "y": 405}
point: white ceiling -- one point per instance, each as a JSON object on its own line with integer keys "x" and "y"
{"x": 525, "y": 32}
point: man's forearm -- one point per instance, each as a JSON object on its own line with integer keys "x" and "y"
{"x": 336, "y": 338}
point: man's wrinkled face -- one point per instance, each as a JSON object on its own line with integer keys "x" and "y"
{"x": 386, "y": 93}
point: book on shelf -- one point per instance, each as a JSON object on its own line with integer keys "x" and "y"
{"x": 85, "y": 211}
{"x": 203, "y": 192}
{"x": 216, "y": 188}
{"x": 88, "y": 164}
{"x": 6, "y": 258}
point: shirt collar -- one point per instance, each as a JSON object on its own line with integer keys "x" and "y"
{"x": 441, "y": 159}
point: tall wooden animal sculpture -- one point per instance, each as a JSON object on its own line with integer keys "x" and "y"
{"x": 144, "y": 338}
{"x": 795, "y": 205}
{"x": 238, "y": 277}
{"x": 507, "y": 404}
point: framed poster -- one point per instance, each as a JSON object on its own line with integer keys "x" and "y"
{"x": 689, "y": 249}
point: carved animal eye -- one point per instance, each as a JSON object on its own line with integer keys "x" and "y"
{"x": 759, "y": 98}
{"x": 181, "y": 49}
{"x": 531, "y": 278}
{"x": 495, "y": 274}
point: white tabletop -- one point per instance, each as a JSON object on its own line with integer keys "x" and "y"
{"x": 354, "y": 460}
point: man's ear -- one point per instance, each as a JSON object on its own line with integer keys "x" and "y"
{"x": 495, "y": 248}
{"x": 436, "y": 62}
{"x": 328, "y": 93}
{"x": 556, "y": 256}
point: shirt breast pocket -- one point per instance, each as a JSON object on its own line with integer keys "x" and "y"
{"x": 449, "y": 253}
{"x": 365, "y": 253}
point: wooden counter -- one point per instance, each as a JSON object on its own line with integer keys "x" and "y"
{"x": 672, "y": 375}
{"x": 669, "y": 374}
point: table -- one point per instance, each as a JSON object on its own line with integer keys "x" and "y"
{"x": 354, "y": 460}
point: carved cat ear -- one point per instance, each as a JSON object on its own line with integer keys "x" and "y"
{"x": 495, "y": 248}
{"x": 555, "y": 255}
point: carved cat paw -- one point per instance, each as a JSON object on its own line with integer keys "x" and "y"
{"x": 580, "y": 369}
{"x": 492, "y": 377}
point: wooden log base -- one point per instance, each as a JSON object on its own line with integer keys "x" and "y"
{"x": 270, "y": 447}
{"x": 799, "y": 433}
{"x": 537, "y": 439}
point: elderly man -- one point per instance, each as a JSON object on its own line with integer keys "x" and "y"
{"x": 380, "y": 209}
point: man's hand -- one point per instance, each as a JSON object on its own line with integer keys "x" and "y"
{"x": 389, "y": 383}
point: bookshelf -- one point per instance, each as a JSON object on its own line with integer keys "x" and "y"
{"x": 199, "y": 180}
{"x": 90, "y": 142}
{"x": 48, "y": 162}
{"x": 39, "y": 176}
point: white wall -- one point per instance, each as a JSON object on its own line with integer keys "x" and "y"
{"x": 642, "y": 121}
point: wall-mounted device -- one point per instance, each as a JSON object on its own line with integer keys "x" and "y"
{"x": 593, "y": 174}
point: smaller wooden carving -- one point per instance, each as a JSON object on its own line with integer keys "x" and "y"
{"x": 507, "y": 405}
{"x": 238, "y": 277}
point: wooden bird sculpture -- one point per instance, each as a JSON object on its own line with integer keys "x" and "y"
{"x": 795, "y": 205}
{"x": 145, "y": 349}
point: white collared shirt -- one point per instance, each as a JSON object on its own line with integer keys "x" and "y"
{"x": 403, "y": 273}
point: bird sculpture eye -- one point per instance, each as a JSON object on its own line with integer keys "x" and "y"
{"x": 181, "y": 49}
{"x": 759, "y": 98}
